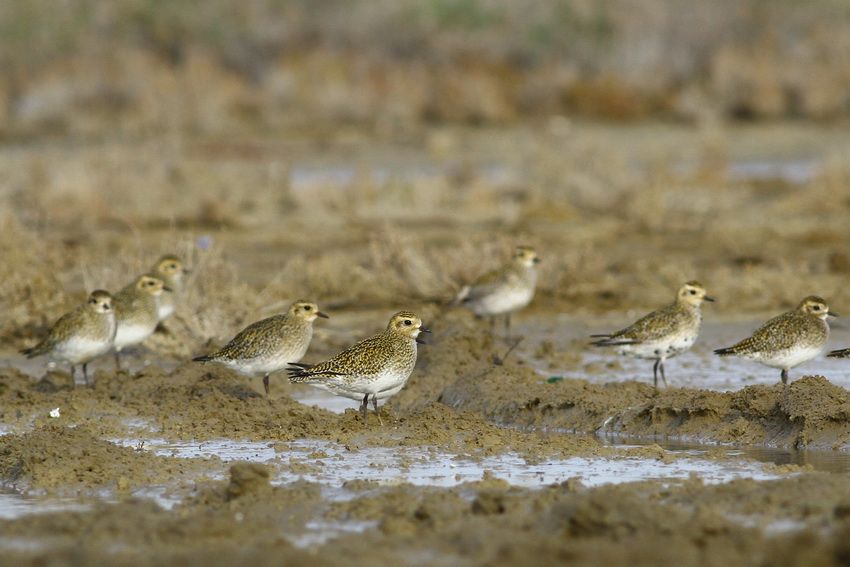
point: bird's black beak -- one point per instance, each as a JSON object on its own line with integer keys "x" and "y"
{"x": 831, "y": 313}
{"x": 322, "y": 315}
{"x": 536, "y": 260}
{"x": 422, "y": 329}
{"x": 187, "y": 272}
{"x": 709, "y": 298}
{"x": 166, "y": 288}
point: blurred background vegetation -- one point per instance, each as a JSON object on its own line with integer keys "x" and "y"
{"x": 382, "y": 153}
{"x": 133, "y": 66}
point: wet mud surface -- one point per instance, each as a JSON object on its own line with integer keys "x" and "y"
{"x": 479, "y": 462}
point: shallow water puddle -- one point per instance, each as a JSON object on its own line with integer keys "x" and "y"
{"x": 331, "y": 464}
{"x": 319, "y": 532}
{"x": 14, "y": 504}
{"x": 819, "y": 460}
{"x": 323, "y": 400}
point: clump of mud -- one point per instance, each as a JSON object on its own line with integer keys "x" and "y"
{"x": 248, "y": 478}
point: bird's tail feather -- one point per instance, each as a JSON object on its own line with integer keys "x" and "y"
{"x": 304, "y": 373}
{"x": 608, "y": 340}
{"x": 37, "y": 350}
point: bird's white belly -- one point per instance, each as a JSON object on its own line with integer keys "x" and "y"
{"x": 663, "y": 349}
{"x": 358, "y": 396}
{"x": 504, "y": 301}
{"x": 128, "y": 335}
{"x": 788, "y": 358}
{"x": 264, "y": 365}
{"x": 384, "y": 382}
{"x": 78, "y": 349}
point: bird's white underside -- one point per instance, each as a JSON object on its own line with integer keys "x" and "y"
{"x": 77, "y": 350}
{"x": 503, "y": 301}
{"x": 787, "y": 359}
{"x": 266, "y": 364}
{"x": 129, "y": 335}
{"x": 663, "y": 349}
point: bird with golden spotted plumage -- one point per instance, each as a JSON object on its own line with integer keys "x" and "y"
{"x": 787, "y": 340}
{"x": 269, "y": 345}
{"x": 137, "y": 312}
{"x": 664, "y": 333}
{"x": 372, "y": 369}
{"x": 80, "y": 336}
{"x": 505, "y": 290}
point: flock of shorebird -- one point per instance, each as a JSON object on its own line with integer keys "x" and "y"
{"x": 378, "y": 367}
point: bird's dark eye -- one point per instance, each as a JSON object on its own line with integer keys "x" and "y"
{"x": 816, "y": 308}
{"x": 408, "y": 322}
{"x": 693, "y": 292}
{"x": 306, "y": 308}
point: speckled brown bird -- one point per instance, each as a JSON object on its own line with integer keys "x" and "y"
{"x": 664, "y": 333}
{"x": 136, "y": 312}
{"x": 374, "y": 366}
{"x": 171, "y": 271}
{"x": 787, "y": 340}
{"x": 505, "y": 290}
{"x": 80, "y": 336}
{"x": 270, "y": 344}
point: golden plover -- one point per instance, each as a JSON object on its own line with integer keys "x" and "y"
{"x": 136, "y": 312}
{"x": 170, "y": 270}
{"x": 270, "y": 344}
{"x": 503, "y": 291}
{"x": 664, "y": 333}
{"x": 787, "y": 340}
{"x": 373, "y": 368}
{"x": 82, "y": 335}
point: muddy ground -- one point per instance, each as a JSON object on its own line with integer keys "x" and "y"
{"x": 479, "y": 461}
{"x": 142, "y": 506}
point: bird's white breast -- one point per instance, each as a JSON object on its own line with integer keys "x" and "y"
{"x": 132, "y": 334}
{"x": 81, "y": 349}
{"x": 504, "y": 300}
{"x": 664, "y": 348}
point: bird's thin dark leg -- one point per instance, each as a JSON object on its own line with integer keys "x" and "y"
{"x": 784, "y": 377}
{"x": 86, "y": 372}
{"x": 364, "y": 407}
{"x": 655, "y": 373}
{"x": 663, "y": 377}
{"x": 375, "y": 406}
{"x": 266, "y": 384}
{"x": 73, "y": 376}
{"x": 117, "y": 361}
